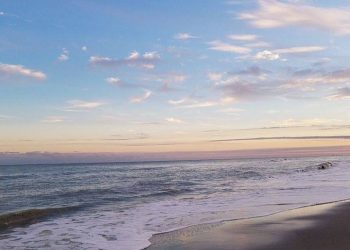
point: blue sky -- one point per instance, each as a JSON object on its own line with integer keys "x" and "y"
{"x": 167, "y": 76}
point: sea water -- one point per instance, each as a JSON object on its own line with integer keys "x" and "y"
{"x": 121, "y": 205}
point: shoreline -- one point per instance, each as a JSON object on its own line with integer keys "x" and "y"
{"x": 280, "y": 230}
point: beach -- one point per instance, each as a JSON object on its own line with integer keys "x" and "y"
{"x": 318, "y": 227}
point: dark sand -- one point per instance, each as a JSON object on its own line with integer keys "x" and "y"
{"x": 318, "y": 227}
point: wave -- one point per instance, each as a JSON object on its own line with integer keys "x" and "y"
{"x": 30, "y": 216}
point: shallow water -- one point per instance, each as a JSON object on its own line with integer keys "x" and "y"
{"x": 119, "y": 206}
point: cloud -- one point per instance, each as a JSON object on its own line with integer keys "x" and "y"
{"x": 81, "y": 105}
{"x": 53, "y": 119}
{"x": 189, "y": 102}
{"x": 135, "y": 59}
{"x": 170, "y": 79}
{"x": 64, "y": 56}
{"x": 248, "y": 84}
{"x": 100, "y": 60}
{"x": 303, "y": 123}
{"x": 214, "y": 76}
{"x": 84, "y": 48}
{"x": 336, "y": 137}
{"x": 253, "y": 71}
{"x": 341, "y": 94}
{"x": 174, "y": 120}
{"x": 267, "y": 55}
{"x": 144, "y": 97}
{"x": 306, "y": 79}
{"x": 184, "y": 36}
{"x": 297, "y": 50}
{"x": 20, "y": 70}
{"x": 272, "y": 55}
{"x": 113, "y": 80}
{"x": 225, "y": 47}
{"x": 276, "y": 14}
{"x": 243, "y": 37}
{"x": 231, "y": 111}
{"x": 5, "y": 117}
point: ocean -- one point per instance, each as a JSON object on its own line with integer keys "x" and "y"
{"x": 121, "y": 205}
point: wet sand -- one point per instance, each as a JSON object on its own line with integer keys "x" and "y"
{"x": 321, "y": 227}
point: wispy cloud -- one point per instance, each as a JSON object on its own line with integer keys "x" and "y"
{"x": 174, "y": 120}
{"x": 275, "y": 14}
{"x": 226, "y": 47}
{"x": 184, "y": 36}
{"x": 113, "y": 80}
{"x": 335, "y": 137}
{"x": 53, "y": 119}
{"x": 287, "y": 123}
{"x": 76, "y": 105}
{"x": 299, "y": 50}
{"x": 5, "y": 117}
{"x": 243, "y": 37}
{"x": 168, "y": 80}
{"x": 135, "y": 59}
{"x": 341, "y": 94}
{"x": 138, "y": 99}
{"x": 64, "y": 56}
{"x": 189, "y": 102}
{"x": 276, "y": 54}
{"x": 257, "y": 44}
{"x": 20, "y": 70}
{"x": 308, "y": 78}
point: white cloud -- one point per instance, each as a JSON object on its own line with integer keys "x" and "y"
{"x": 139, "y": 99}
{"x": 174, "y": 120}
{"x": 232, "y": 111}
{"x": 20, "y": 70}
{"x": 267, "y": 55}
{"x": 134, "y": 55}
{"x": 214, "y": 76}
{"x": 258, "y": 44}
{"x": 84, "y": 48}
{"x": 64, "y": 56}
{"x": 303, "y": 122}
{"x": 275, "y": 14}
{"x": 243, "y": 37}
{"x": 148, "y": 66}
{"x": 100, "y": 60}
{"x": 147, "y": 60}
{"x": 79, "y": 104}
{"x": 53, "y": 119}
{"x": 275, "y": 54}
{"x": 296, "y": 50}
{"x": 113, "y": 80}
{"x": 225, "y": 47}
{"x": 193, "y": 103}
{"x": 151, "y": 55}
{"x": 177, "y": 102}
{"x": 184, "y": 36}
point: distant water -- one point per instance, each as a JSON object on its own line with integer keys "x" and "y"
{"x": 119, "y": 206}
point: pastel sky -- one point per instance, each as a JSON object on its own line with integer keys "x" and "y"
{"x": 166, "y": 76}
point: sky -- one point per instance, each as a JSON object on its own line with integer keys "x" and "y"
{"x": 147, "y": 76}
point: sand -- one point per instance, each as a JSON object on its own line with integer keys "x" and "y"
{"x": 320, "y": 227}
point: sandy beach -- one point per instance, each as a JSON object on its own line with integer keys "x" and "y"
{"x": 324, "y": 226}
